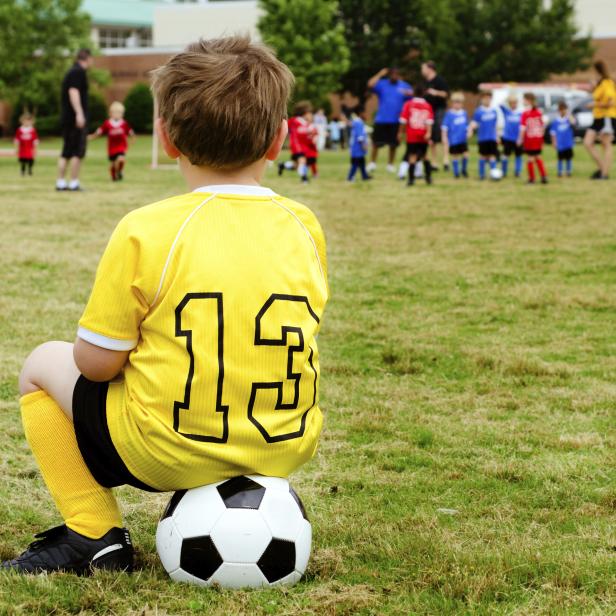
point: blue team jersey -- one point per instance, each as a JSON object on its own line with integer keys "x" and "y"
{"x": 511, "y": 130}
{"x": 456, "y": 125}
{"x": 391, "y": 99}
{"x": 486, "y": 118}
{"x": 358, "y": 138}
{"x": 563, "y": 131}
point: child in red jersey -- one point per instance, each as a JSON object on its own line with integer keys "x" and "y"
{"x": 26, "y": 139}
{"x": 416, "y": 120}
{"x": 307, "y": 134}
{"x": 532, "y": 130}
{"x": 117, "y": 130}
{"x": 295, "y": 145}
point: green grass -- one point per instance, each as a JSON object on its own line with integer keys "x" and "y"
{"x": 469, "y": 364}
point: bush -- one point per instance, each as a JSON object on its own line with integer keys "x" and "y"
{"x": 48, "y": 125}
{"x": 97, "y": 110}
{"x": 139, "y": 108}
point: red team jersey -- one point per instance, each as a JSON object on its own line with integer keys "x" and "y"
{"x": 26, "y": 139}
{"x": 293, "y": 137}
{"x": 306, "y": 136}
{"x": 418, "y": 116}
{"x": 532, "y": 120}
{"x": 117, "y": 132}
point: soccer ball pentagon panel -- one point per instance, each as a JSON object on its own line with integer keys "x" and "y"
{"x": 246, "y": 532}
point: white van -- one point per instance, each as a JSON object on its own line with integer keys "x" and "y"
{"x": 547, "y": 96}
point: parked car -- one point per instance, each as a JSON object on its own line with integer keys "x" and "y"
{"x": 581, "y": 112}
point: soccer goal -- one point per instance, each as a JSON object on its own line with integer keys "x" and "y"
{"x": 160, "y": 160}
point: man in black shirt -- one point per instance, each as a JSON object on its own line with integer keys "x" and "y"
{"x": 437, "y": 93}
{"x": 74, "y": 120}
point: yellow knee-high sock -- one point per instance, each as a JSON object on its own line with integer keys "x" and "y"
{"x": 85, "y": 505}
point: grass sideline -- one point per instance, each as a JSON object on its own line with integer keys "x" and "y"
{"x": 469, "y": 363}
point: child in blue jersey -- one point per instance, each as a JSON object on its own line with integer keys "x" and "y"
{"x": 510, "y": 136}
{"x": 454, "y": 130}
{"x": 484, "y": 122}
{"x": 561, "y": 131}
{"x": 358, "y": 146}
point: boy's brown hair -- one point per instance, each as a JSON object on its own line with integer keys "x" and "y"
{"x": 562, "y": 106}
{"x": 223, "y": 100}
{"x": 531, "y": 98}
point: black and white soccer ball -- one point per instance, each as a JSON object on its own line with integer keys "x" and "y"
{"x": 246, "y": 532}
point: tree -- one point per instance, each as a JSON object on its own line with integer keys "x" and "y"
{"x": 37, "y": 43}
{"x": 474, "y": 41}
{"x": 139, "y": 108}
{"x": 381, "y": 33}
{"x": 308, "y": 38}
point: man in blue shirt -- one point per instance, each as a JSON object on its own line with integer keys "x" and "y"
{"x": 454, "y": 129}
{"x": 392, "y": 92}
{"x": 358, "y": 146}
{"x": 561, "y": 131}
{"x": 511, "y": 133}
{"x": 484, "y": 122}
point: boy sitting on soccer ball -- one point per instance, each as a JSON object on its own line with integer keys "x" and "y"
{"x": 196, "y": 356}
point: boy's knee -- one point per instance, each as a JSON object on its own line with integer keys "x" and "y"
{"x": 33, "y": 366}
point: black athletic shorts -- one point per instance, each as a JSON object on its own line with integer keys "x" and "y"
{"x": 565, "y": 154}
{"x": 385, "y": 134}
{"x": 488, "y": 148}
{"x": 94, "y": 440}
{"x": 533, "y": 152}
{"x": 459, "y": 148}
{"x": 297, "y": 156}
{"x": 439, "y": 114}
{"x": 604, "y": 125}
{"x": 417, "y": 149}
{"x": 75, "y": 141}
{"x": 512, "y": 147}
{"x": 115, "y": 156}
{"x": 26, "y": 160}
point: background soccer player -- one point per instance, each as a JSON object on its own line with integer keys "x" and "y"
{"x": 563, "y": 140}
{"x": 416, "y": 121}
{"x": 26, "y": 141}
{"x": 484, "y": 122}
{"x": 358, "y": 146}
{"x": 118, "y": 131}
{"x": 454, "y": 129}
{"x": 532, "y": 130}
{"x": 511, "y": 132}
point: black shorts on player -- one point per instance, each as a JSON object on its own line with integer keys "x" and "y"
{"x": 75, "y": 141}
{"x": 604, "y": 125}
{"x": 385, "y": 134}
{"x": 439, "y": 114}
{"x": 416, "y": 149}
{"x": 459, "y": 148}
{"x": 488, "y": 149}
{"x": 114, "y": 157}
{"x": 533, "y": 152}
{"x": 511, "y": 147}
{"x": 565, "y": 154}
{"x": 295, "y": 157}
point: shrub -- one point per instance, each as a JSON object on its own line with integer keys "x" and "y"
{"x": 97, "y": 110}
{"x": 139, "y": 108}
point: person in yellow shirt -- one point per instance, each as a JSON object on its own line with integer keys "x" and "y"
{"x": 196, "y": 357}
{"x": 604, "y": 125}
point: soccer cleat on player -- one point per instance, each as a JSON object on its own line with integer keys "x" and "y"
{"x": 531, "y": 138}
{"x": 454, "y": 130}
{"x": 118, "y": 131}
{"x": 511, "y": 132}
{"x": 416, "y": 121}
{"x": 484, "y": 122}
{"x": 563, "y": 140}
{"x": 196, "y": 357}
{"x": 26, "y": 141}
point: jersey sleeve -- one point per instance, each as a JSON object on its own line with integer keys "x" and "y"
{"x": 117, "y": 305}
{"x": 35, "y": 135}
{"x": 104, "y": 128}
{"x": 76, "y": 79}
{"x": 378, "y": 87}
{"x": 477, "y": 116}
{"x": 445, "y": 123}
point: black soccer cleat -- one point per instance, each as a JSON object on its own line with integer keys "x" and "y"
{"x": 63, "y": 549}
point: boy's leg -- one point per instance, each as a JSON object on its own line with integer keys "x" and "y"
{"x": 22, "y": 163}
{"x": 121, "y": 161}
{"x": 411, "y": 177}
{"x": 456, "y": 167}
{"x": 112, "y": 171}
{"x": 530, "y": 167}
{"x": 482, "y": 168}
{"x": 541, "y": 167}
{"x": 362, "y": 168}
{"x": 30, "y": 166}
{"x": 560, "y": 166}
{"x": 353, "y": 170}
{"x": 302, "y": 169}
{"x": 569, "y": 166}
{"x": 47, "y": 383}
{"x": 427, "y": 169}
{"x": 493, "y": 162}
{"x": 465, "y": 164}
{"x": 505, "y": 165}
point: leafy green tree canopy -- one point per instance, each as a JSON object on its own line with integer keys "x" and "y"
{"x": 139, "y": 108}
{"x": 308, "y": 37}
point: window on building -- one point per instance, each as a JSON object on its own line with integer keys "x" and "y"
{"x": 116, "y": 38}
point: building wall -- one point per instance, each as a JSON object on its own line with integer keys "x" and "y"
{"x": 598, "y": 17}
{"x": 179, "y": 24}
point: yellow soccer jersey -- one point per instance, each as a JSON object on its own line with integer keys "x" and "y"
{"x": 604, "y": 93}
{"x": 218, "y": 294}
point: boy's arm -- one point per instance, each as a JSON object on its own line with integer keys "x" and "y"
{"x": 98, "y": 364}
{"x": 97, "y": 133}
{"x": 375, "y": 78}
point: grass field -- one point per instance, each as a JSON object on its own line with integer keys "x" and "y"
{"x": 469, "y": 364}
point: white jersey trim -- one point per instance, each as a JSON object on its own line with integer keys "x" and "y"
{"x": 237, "y": 189}
{"x": 112, "y": 344}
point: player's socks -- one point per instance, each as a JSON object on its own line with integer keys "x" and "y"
{"x": 30, "y": 165}
{"x": 23, "y": 168}
{"x": 482, "y": 168}
{"x": 403, "y": 169}
{"x": 518, "y": 166}
{"x": 465, "y": 167}
{"x": 428, "y": 171}
{"x": 456, "y": 167}
{"x": 315, "y": 169}
{"x": 411, "y": 175}
{"x": 531, "y": 171}
{"x": 352, "y": 171}
{"x": 505, "y": 166}
{"x": 560, "y": 168}
{"x": 569, "y": 166}
{"x": 541, "y": 167}
{"x": 112, "y": 172}
{"x": 87, "y": 507}
{"x": 120, "y": 170}
{"x": 493, "y": 164}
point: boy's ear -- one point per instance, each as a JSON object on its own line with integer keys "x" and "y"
{"x": 281, "y": 135}
{"x": 170, "y": 150}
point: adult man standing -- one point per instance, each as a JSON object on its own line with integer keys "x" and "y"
{"x": 392, "y": 92}
{"x": 437, "y": 92}
{"x": 74, "y": 120}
